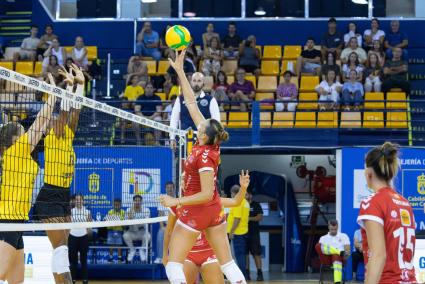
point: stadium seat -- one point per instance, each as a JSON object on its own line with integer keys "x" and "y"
{"x": 305, "y": 119}
{"x": 272, "y": 52}
{"x": 252, "y": 79}
{"x": 25, "y": 67}
{"x": 291, "y": 51}
{"x": 68, "y": 50}
{"x": 267, "y": 83}
{"x": 374, "y": 97}
{"x": 151, "y": 64}
{"x": 230, "y": 79}
{"x": 91, "y": 52}
{"x": 229, "y": 66}
{"x": 397, "y": 119}
{"x": 308, "y": 83}
{"x": 163, "y": 96}
{"x": 327, "y": 119}
{"x": 265, "y": 119}
{"x": 283, "y": 120}
{"x": 223, "y": 118}
{"x": 351, "y": 119}
{"x": 290, "y": 65}
{"x": 266, "y": 99}
{"x": 311, "y": 97}
{"x": 373, "y": 119}
{"x": 163, "y": 67}
{"x": 7, "y": 64}
{"x": 238, "y": 120}
{"x": 208, "y": 83}
{"x": 394, "y": 100}
{"x": 269, "y": 67}
{"x": 38, "y": 68}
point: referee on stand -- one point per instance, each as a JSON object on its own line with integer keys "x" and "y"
{"x": 180, "y": 114}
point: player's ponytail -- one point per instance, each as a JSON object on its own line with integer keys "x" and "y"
{"x": 6, "y": 135}
{"x": 384, "y": 161}
{"x": 216, "y": 132}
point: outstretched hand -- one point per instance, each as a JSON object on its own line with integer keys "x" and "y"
{"x": 79, "y": 75}
{"x": 244, "y": 179}
{"x": 178, "y": 63}
{"x": 68, "y": 77}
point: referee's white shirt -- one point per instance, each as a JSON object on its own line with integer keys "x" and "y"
{"x": 79, "y": 215}
{"x": 175, "y": 113}
{"x": 338, "y": 241}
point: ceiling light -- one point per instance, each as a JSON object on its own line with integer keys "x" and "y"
{"x": 361, "y": 2}
{"x": 189, "y": 14}
{"x": 260, "y": 11}
{"x": 149, "y": 1}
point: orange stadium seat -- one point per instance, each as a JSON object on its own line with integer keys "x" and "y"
{"x": 68, "y": 50}
{"x": 252, "y": 79}
{"x": 290, "y": 65}
{"x": 308, "y": 83}
{"x": 91, "y": 52}
{"x": 269, "y": 67}
{"x": 311, "y": 97}
{"x": 38, "y": 68}
{"x": 291, "y": 51}
{"x": 238, "y": 120}
{"x": 267, "y": 83}
{"x": 230, "y": 79}
{"x": 25, "y": 67}
{"x": 305, "y": 119}
{"x": 374, "y": 97}
{"x": 266, "y": 100}
{"x": 272, "y": 52}
{"x": 229, "y": 66}
{"x": 373, "y": 119}
{"x": 394, "y": 100}
{"x": 223, "y": 118}
{"x": 7, "y": 64}
{"x": 351, "y": 119}
{"x": 265, "y": 119}
{"x": 283, "y": 120}
{"x": 163, "y": 67}
{"x": 327, "y": 119}
{"x": 151, "y": 64}
{"x": 397, "y": 119}
{"x": 163, "y": 96}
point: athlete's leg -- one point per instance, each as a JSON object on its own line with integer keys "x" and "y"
{"x": 191, "y": 272}
{"x": 16, "y": 274}
{"x": 8, "y": 254}
{"x": 212, "y": 274}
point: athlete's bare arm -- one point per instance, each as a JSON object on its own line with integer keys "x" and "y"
{"x": 376, "y": 241}
{"x": 236, "y": 201}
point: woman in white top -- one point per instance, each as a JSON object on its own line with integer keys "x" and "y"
{"x": 213, "y": 56}
{"x": 352, "y": 32}
{"x": 78, "y": 241}
{"x": 374, "y": 33}
{"x": 79, "y": 53}
{"x": 56, "y": 50}
{"x": 352, "y": 64}
{"x": 329, "y": 90}
{"x": 206, "y": 37}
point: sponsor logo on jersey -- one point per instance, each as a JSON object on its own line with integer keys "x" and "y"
{"x": 421, "y": 184}
{"x": 203, "y": 102}
{"x": 405, "y": 218}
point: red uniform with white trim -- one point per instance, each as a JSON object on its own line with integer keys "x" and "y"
{"x": 201, "y": 253}
{"x": 199, "y": 217}
{"x": 395, "y": 214}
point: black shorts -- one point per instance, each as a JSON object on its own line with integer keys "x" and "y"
{"x": 254, "y": 244}
{"x": 52, "y": 201}
{"x": 12, "y": 238}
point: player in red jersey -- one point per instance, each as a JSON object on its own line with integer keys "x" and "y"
{"x": 201, "y": 207}
{"x": 387, "y": 221}
{"x": 201, "y": 258}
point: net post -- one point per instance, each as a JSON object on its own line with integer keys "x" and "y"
{"x": 108, "y": 78}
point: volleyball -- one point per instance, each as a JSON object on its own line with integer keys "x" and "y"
{"x": 177, "y": 37}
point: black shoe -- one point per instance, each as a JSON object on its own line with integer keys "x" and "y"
{"x": 247, "y": 276}
{"x": 260, "y": 276}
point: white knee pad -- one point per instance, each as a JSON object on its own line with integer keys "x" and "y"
{"x": 175, "y": 272}
{"x": 233, "y": 273}
{"x": 60, "y": 260}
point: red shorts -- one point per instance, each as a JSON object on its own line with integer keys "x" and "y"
{"x": 198, "y": 218}
{"x": 202, "y": 257}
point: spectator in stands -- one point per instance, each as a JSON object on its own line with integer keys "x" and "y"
{"x": 377, "y": 49}
{"x": 170, "y": 190}
{"x": 374, "y": 33}
{"x": 168, "y": 109}
{"x": 396, "y": 38}
{"x": 115, "y": 233}
{"x": 53, "y": 68}
{"x": 329, "y": 90}
{"x": 148, "y": 105}
{"x": 237, "y": 229}
{"x": 192, "y": 53}
{"x": 28, "y": 50}
{"x": 137, "y": 232}
{"x": 330, "y": 64}
{"x": 163, "y": 47}
{"x": 286, "y": 93}
{"x": 79, "y": 53}
{"x": 188, "y": 67}
{"x": 309, "y": 61}
{"x": 180, "y": 117}
{"x": 231, "y": 42}
{"x": 131, "y": 93}
{"x": 335, "y": 246}
{"x": 352, "y": 92}
{"x": 169, "y": 82}
{"x": 249, "y": 56}
{"x": 357, "y": 255}
{"x": 206, "y": 37}
{"x": 56, "y": 50}
{"x": 148, "y": 42}
{"x": 372, "y": 74}
{"x": 241, "y": 91}
{"x": 136, "y": 67}
{"x": 221, "y": 89}
{"x": 213, "y": 57}
{"x": 78, "y": 241}
{"x": 332, "y": 40}
{"x": 353, "y": 47}
{"x": 254, "y": 243}
{"x": 352, "y": 32}
{"x": 352, "y": 64}
{"x": 395, "y": 73}
{"x": 45, "y": 41}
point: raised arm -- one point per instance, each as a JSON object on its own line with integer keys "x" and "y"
{"x": 76, "y": 108}
{"x": 236, "y": 201}
{"x": 41, "y": 122}
{"x": 187, "y": 91}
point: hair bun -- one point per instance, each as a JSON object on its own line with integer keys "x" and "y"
{"x": 224, "y": 135}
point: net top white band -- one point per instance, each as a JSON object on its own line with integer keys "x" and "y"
{"x": 29, "y": 227}
{"x": 39, "y": 85}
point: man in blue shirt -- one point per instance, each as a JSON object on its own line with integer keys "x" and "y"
{"x": 148, "y": 42}
{"x": 395, "y": 38}
{"x": 332, "y": 40}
